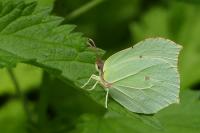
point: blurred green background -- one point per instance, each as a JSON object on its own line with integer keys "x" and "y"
{"x": 113, "y": 25}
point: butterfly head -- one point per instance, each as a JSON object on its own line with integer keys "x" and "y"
{"x": 99, "y": 65}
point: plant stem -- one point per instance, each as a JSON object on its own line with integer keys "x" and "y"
{"x": 43, "y": 100}
{"x": 20, "y": 94}
{"x": 83, "y": 9}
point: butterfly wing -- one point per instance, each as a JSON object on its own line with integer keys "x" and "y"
{"x": 145, "y": 78}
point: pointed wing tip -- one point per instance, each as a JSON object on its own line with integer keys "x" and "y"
{"x": 180, "y": 47}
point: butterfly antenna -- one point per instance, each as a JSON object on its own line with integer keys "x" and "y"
{"x": 92, "y": 45}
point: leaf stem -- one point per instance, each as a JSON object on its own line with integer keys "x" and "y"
{"x": 20, "y": 94}
{"x": 83, "y": 9}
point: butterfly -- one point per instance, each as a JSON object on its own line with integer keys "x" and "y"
{"x": 143, "y": 78}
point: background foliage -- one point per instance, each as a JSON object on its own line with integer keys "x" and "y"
{"x": 55, "y": 103}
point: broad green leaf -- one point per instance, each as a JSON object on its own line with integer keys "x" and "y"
{"x": 111, "y": 124}
{"x": 182, "y": 119}
{"x": 95, "y": 124}
{"x": 36, "y": 38}
{"x": 39, "y": 39}
{"x": 175, "y": 23}
{"x": 116, "y": 111}
{"x": 12, "y": 118}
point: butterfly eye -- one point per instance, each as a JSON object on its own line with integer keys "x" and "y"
{"x": 98, "y": 67}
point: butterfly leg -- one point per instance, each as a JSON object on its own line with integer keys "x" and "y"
{"x": 92, "y": 77}
{"x": 106, "y": 101}
{"x": 93, "y": 87}
{"x": 87, "y": 82}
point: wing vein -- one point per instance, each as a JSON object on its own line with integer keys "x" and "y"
{"x": 132, "y": 101}
{"x": 134, "y": 73}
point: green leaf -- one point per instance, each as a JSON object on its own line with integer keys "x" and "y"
{"x": 38, "y": 39}
{"x": 95, "y": 124}
{"x": 175, "y": 23}
{"x": 183, "y": 119}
